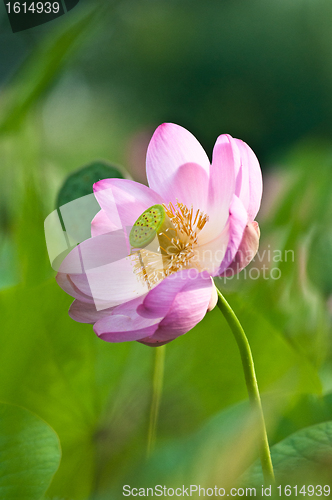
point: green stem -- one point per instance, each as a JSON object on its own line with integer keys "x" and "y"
{"x": 251, "y": 381}
{"x": 158, "y": 376}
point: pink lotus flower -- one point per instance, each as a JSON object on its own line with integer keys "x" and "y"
{"x": 146, "y": 272}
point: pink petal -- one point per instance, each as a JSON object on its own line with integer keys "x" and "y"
{"x": 159, "y": 300}
{"x": 81, "y": 283}
{"x": 151, "y": 342}
{"x": 213, "y": 298}
{"x": 171, "y": 309}
{"x": 183, "y": 300}
{"x": 225, "y": 164}
{"x": 247, "y": 249}
{"x": 211, "y": 254}
{"x": 188, "y": 185}
{"x": 123, "y": 200}
{"x": 115, "y": 283}
{"x": 100, "y": 268}
{"x": 250, "y": 191}
{"x": 66, "y": 283}
{"x": 237, "y": 223}
{"x": 124, "y": 324}
{"x": 87, "y": 313}
{"x": 170, "y": 148}
{"x": 101, "y": 224}
{"x": 95, "y": 252}
{"x": 89, "y": 258}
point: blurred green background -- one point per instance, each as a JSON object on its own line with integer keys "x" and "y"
{"x": 94, "y": 84}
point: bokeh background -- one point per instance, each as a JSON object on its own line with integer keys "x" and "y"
{"x": 94, "y": 84}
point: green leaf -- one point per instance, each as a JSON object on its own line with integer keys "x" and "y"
{"x": 76, "y": 203}
{"x": 320, "y": 264}
{"x": 42, "y": 68}
{"x": 80, "y": 183}
{"x": 304, "y": 456}
{"x": 60, "y": 370}
{"x": 214, "y": 454}
{"x": 8, "y": 262}
{"x": 304, "y": 411}
{"x": 29, "y": 454}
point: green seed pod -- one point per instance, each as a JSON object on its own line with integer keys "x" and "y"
{"x": 150, "y": 223}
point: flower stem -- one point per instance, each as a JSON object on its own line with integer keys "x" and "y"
{"x": 158, "y": 377}
{"x": 251, "y": 381}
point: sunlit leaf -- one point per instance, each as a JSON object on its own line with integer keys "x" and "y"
{"x": 29, "y": 454}
{"x": 306, "y": 455}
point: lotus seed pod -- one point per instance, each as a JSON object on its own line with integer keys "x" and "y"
{"x": 154, "y": 221}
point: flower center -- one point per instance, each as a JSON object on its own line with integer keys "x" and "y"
{"x": 177, "y": 229}
{"x": 148, "y": 225}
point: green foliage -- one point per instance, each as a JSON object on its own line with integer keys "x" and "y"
{"x": 41, "y": 70}
{"x": 302, "y": 458}
{"x": 66, "y": 378}
{"x": 96, "y": 395}
{"x": 29, "y": 454}
{"x": 320, "y": 251}
{"x": 80, "y": 183}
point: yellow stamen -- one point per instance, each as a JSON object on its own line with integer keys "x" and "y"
{"x": 153, "y": 267}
